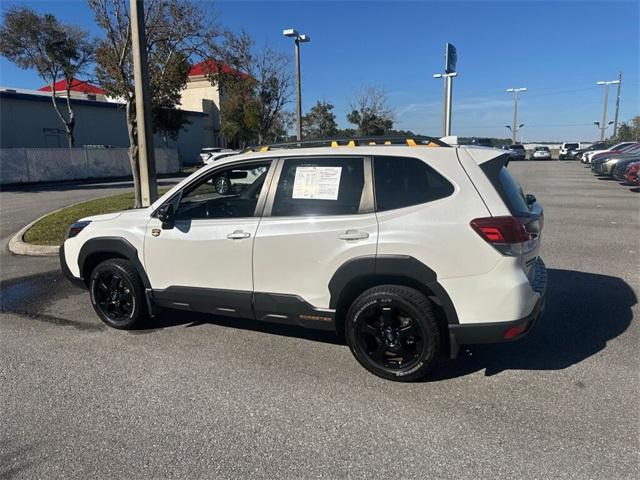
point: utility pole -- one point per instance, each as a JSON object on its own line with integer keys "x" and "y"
{"x": 298, "y": 39}
{"x": 603, "y": 123}
{"x": 146, "y": 154}
{"x": 515, "y": 128}
{"x": 450, "y": 64}
{"x": 615, "y": 118}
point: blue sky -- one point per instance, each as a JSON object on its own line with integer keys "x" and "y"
{"x": 557, "y": 49}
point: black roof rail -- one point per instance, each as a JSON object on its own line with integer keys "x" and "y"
{"x": 417, "y": 141}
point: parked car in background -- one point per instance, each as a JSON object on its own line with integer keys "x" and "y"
{"x": 541, "y": 153}
{"x": 516, "y": 152}
{"x": 620, "y": 168}
{"x": 618, "y": 148}
{"x": 565, "y": 148}
{"x": 603, "y": 163}
{"x": 631, "y": 175}
{"x": 214, "y": 157}
{"x": 207, "y": 152}
{"x": 482, "y": 142}
{"x": 605, "y": 166}
{"x": 577, "y": 154}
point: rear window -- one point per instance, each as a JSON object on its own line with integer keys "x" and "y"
{"x": 516, "y": 147}
{"x": 507, "y": 187}
{"x": 512, "y": 193}
{"x": 569, "y": 146}
{"x": 404, "y": 181}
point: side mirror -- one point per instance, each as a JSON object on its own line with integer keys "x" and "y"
{"x": 166, "y": 215}
{"x": 531, "y": 199}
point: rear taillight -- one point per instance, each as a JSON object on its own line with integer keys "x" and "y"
{"x": 509, "y": 235}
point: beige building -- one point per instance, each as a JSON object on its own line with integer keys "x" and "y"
{"x": 201, "y": 96}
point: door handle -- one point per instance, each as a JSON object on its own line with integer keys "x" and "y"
{"x": 238, "y": 235}
{"x": 353, "y": 235}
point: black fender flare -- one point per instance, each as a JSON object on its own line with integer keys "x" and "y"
{"x": 390, "y": 266}
{"x": 119, "y": 246}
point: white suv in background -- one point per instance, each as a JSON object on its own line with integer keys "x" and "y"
{"x": 410, "y": 250}
{"x": 566, "y": 148}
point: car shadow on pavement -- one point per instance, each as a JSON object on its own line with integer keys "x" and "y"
{"x": 583, "y": 312}
{"x": 13, "y": 459}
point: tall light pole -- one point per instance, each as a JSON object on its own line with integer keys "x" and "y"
{"x": 603, "y": 123}
{"x": 615, "y": 118}
{"x": 515, "y": 128}
{"x": 450, "y": 65}
{"x": 447, "y": 102}
{"x": 146, "y": 157}
{"x": 299, "y": 38}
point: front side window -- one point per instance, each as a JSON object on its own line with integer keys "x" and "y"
{"x": 319, "y": 186}
{"x": 231, "y": 192}
{"x": 403, "y": 181}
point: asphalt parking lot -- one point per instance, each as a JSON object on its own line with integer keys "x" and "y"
{"x": 197, "y": 396}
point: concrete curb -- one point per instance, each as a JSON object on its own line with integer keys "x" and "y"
{"x": 18, "y": 246}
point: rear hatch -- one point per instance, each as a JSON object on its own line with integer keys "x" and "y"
{"x": 519, "y": 234}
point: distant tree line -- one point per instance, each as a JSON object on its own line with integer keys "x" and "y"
{"x": 628, "y": 131}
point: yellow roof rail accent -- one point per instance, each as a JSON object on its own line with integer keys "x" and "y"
{"x": 264, "y": 149}
{"x": 387, "y": 142}
{"x": 431, "y": 144}
{"x": 351, "y": 143}
{"x": 411, "y": 142}
{"x": 334, "y": 143}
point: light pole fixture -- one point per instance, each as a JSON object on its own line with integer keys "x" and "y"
{"x": 515, "y": 128}
{"x": 298, "y": 39}
{"x": 448, "y": 97}
{"x": 603, "y": 123}
{"x": 450, "y": 71}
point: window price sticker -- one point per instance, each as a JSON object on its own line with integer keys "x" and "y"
{"x": 317, "y": 183}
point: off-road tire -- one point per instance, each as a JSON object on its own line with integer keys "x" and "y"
{"x": 130, "y": 282}
{"x": 408, "y": 302}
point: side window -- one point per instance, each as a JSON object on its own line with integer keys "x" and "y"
{"x": 228, "y": 193}
{"x": 319, "y": 186}
{"x": 403, "y": 181}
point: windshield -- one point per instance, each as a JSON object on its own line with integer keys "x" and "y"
{"x": 516, "y": 147}
{"x": 621, "y": 145}
{"x": 569, "y": 146}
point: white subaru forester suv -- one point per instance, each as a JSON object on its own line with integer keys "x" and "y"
{"x": 409, "y": 250}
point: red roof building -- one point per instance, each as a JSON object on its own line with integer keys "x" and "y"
{"x": 77, "y": 86}
{"x": 207, "y": 66}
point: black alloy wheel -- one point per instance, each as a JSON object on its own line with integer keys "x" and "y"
{"x": 392, "y": 331}
{"x": 117, "y": 293}
{"x": 114, "y": 296}
{"x": 389, "y": 336}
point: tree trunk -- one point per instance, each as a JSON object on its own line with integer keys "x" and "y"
{"x": 70, "y": 124}
{"x": 71, "y": 139}
{"x": 134, "y": 158}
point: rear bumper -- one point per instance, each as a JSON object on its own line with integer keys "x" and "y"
{"x": 508, "y": 331}
{"x": 78, "y": 282}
